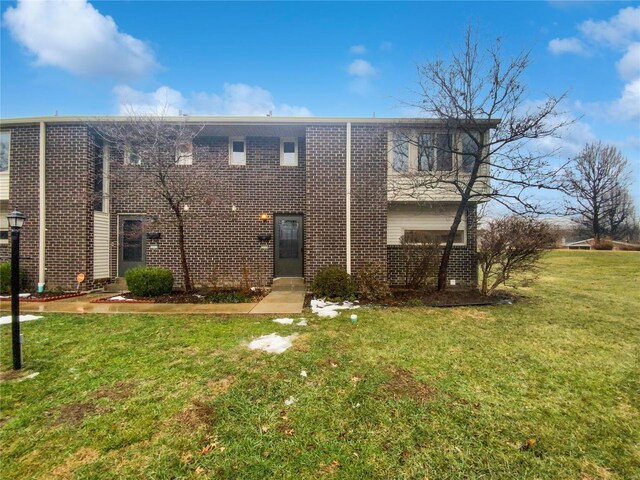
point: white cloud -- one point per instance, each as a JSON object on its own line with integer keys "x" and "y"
{"x": 361, "y": 68}
{"x": 619, "y": 30}
{"x": 627, "y": 107}
{"x": 358, "y": 49}
{"x": 559, "y": 46}
{"x": 569, "y": 140}
{"x": 629, "y": 65}
{"x": 236, "y": 99}
{"x": 74, "y": 36}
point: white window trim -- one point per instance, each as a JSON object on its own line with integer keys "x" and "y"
{"x": 7, "y": 132}
{"x": 462, "y": 225}
{"x": 127, "y": 154}
{"x": 390, "y": 152}
{"x": 282, "y": 142}
{"x": 237, "y": 139}
{"x": 184, "y": 158}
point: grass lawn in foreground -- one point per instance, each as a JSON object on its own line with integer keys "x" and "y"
{"x": 404, "y": 393}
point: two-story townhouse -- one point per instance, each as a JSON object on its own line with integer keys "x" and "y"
{"x": 294, "y": 195}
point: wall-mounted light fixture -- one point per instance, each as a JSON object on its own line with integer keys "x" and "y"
{"x": 264, "y": 217}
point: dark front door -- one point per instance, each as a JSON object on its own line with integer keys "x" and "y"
{"x": 288, "y": 246}
{"x": 131, "y": 244}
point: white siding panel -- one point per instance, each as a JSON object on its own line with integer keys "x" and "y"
{"x": 101, "y": 260}
{"x": 410, "y": 217}
{"x": 4, "y": 185}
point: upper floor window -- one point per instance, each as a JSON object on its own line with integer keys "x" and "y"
{"x": 289, "y": 152}
{"x": 426, "y": 152}
{"x": 469, "y": 151}
{"x": 131, "y": 154}
{"x": 184, "y": 154}
{"x": 237, "y": 151}
{"x": 5, "y": 147}
{"x": 444, "y": 152}
{"x": 399, "y": 153}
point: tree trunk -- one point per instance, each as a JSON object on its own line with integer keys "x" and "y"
{"x": 183, "y": 251}
{"x": 446, "y": 254}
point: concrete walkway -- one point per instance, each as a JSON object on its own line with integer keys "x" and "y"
{"x": 285, "y": 299}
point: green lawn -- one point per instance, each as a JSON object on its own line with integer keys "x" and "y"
{"x": 404, "y": 393}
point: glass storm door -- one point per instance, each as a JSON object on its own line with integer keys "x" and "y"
{"x": 288, "y": 246}
{"x": 131, "y": 251}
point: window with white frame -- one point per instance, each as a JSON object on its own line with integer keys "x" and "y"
{"x": 5, "y": 147}
{"x": 399, "y": 152}
{"x": 237, "y": 151}
{"x": 131, "y": 154}
{"x": 289, "y": 152}
{"x": 426, "y": 152}
{"x": 444, "y": 152}
{"x": 433, "y": 236}
{"x": 184, "y": 154}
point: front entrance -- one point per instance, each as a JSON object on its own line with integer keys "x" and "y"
{"x": 289, "y": 257}
{"x": 131, "y": 244}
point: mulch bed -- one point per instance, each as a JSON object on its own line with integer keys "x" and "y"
{"x": 184, "y": 297}
{"x": 47, "y": 296}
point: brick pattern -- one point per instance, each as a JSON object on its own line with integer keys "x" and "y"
{"x": 221, "y": 243}
{"x": 463, "y": 263}
{"x": 368, "y": 196}
{"x": 325, "y": 212}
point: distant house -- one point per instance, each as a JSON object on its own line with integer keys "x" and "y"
{"x": 304, "y": 193}
{"x": 589, "y": 243}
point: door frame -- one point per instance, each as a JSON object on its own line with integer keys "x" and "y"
{"x": 119, "y": 243}
{"x": 276, "y": 214}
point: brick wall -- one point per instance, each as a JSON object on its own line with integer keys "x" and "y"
{"x": 325, "y": 212}
{"x": 368, "y": 196}
{"x": 463, "y": 264}
{"x": 221, "y": 243}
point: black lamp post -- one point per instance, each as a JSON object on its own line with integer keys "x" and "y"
{"x": 16, "y": 220}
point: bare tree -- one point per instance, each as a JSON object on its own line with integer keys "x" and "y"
{"x": 597, "y": 182}
{"x": 480, "y": 148}
{"x": 155, "y": 150}
{"x": 512, "y": 245}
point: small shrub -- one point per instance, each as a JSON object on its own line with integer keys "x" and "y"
{"x": 5, "y": 278}
{"x": 149, "y": 281}
{"x": 371, "y": 282}
{"x": 333, "y": 282}
{"x": 603, "y": 245}
{"x": 421, "y": 261}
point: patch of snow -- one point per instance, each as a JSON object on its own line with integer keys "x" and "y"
{"x": 120, "y": 298}
{"x": 198, "y": 296}
{"x": 290, "y": 401}
{"x": 272, "y": 343}
{"x": 302, "y": 323}
{"x": 23, "y": 318}
{"x": 303, "y": 373}
{"x": 21, "y": 295}
{"x": 284, "y": 321}
{"x": 323, "y": 308}
{"x": 32, "y": 375}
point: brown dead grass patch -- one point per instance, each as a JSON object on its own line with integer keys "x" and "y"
{"x": 592, "y": 471}
{"x": 402, "y": 384}
{"x": 120, "y": 391}
{"x": 195, "y": 416}
{"x": 220, "y": 387}
{"x": 74, "y": 413}
{"x": 80, "y": 458}
{"x": 301, "y": 343}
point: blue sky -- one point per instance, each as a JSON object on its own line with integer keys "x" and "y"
{"x": 323, "y": 59}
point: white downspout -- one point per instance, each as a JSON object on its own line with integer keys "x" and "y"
{"x": 348, "y": 182}
{"x": 43, "y": 207}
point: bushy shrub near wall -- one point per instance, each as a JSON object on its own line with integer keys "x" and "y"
{"x": 333, "y": 282}
{"x": 371, "y": 281}
{"x": 5, "y": 278}
{"x": 149, "y": 281}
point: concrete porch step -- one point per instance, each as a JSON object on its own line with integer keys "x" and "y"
{"x": 118, "y": 286}
{"x": 288, "y": 284}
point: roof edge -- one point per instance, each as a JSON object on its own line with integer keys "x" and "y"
{"x": 232, "y": 120}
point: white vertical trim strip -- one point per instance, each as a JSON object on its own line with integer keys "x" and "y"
{"x": 348, "y": 232}
{"x": 42, "y": 207}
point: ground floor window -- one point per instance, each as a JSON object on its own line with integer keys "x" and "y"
{"x": 4, "y": 223}
{"x": 431, "y": 236}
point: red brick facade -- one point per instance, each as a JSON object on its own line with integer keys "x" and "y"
{"x": 222, "y": 223}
